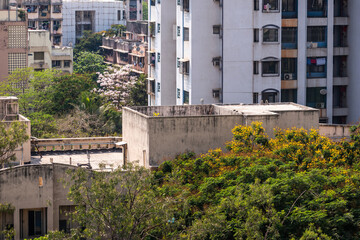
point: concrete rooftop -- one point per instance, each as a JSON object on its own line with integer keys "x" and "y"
{"x": 112, "y": 159}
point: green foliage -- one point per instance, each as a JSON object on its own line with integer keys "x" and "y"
{"x": 145, "y": 10}
{"x": 11, "y": 136}
{"x": 66, "y": 91}
{"x": 299, "y": 185}
{"x": 115, "y": 30}
{"x": 89, "y": 42}
{"x": 124, "y": 205}
{"x": 89, "y": 62}
{"x": 43, "y": 124}
{"x": 138, "y": 92}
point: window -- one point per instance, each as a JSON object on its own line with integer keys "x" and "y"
{"x": 178, "y": 62}
{"x": 186, "y": 34}
{"x": 255, "y": 97}
{"x": 315, "y": 98}
{"x": 158, "y": 57}
{"x": 317, "y": 35}
{"x": 184, "y": 67}
{"x": 178, "y": 31}
{"x": 317, "y": 8}
{"x": 216, "y": 29}
{"x": 186, "y": 5}
{"x": 288, "y": 68}
{"x": 289, "y": 5}
{"x": 186, "y": 97}
{"x": 289, "y": 38}
{"x": 270, "y": 67}
{"x": 56, "y": 64}
{"x": 56, "y": 9}
{"x": 270, "y": 5}
{"x": 158, "y": 87}
{"x": 158, "y": 27}
{"x": 152, "y": 2}
{"x": 38, "y": 56}
{"x": 119, "y": 15}
{"x": 31, "y": 24}
{"x": 35, "y": 223}
{"x": 270, "y": 95}
{"x": 158, "y": 1}
{"x": 179, "y": 2}
{"x": 289, "y": 95}
{"x": 256, "y": 35}
{"x": 256, "y": 67}
{"x": 256, "y": 5}
{"x": 67, "y": 64}
{"x": 57, "y": 40}
{"x": 316, "y": 67}
{"x": 270, "y": 34}
{"x": 178, "y": 93}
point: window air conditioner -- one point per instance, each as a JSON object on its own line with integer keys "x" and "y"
{"x": 320, "y": 105}
{"x": 288, "y": 76}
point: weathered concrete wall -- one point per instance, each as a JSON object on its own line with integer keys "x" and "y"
{"x": 335, "y": 132}
{"x": 156, "y": 134}
{"x": 34, "y": 187}
{"x": 169, "y": 136}
{"x": 135, "y": 131}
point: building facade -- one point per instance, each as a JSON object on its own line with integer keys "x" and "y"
{"x": 230, "y": 51}
{"x": 162, "y": 52}
{"x": 13, "y": 42}
{"x": 42, "y": 55}
{"x": 96, "y": 16}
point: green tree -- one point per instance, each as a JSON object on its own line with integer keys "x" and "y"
{"x": 89, "y": 42}
{"x": 138, "y": 92}
{"x": 118, "y": 205}
{"x": 145, "y": 10}
{"x": 116, "y": 30}
{"x": 11, "y": 136}
{"x": 89, "y": 62}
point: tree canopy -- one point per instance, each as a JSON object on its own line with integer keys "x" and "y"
{"x": 298, "y": 185}
{"x": 12, "y": 135}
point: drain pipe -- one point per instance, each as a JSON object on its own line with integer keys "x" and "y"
{"x": 222, "y": 53}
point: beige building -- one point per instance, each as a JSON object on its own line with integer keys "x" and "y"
{"x": 42, "y": 55}
{"x": 9, "y": 112}
{"x": 156, "y": 134}
{"x": 13, "y": 42}
{"x": 38, "y": 198}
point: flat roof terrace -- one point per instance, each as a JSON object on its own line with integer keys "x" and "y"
{"x": 217, "y": 109}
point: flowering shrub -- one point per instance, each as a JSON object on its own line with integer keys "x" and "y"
{"x": 115, "y": 85}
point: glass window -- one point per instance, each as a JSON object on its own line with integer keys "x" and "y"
{"x": 256, "y": 35}
{"x": 270, "y": 5}
{"x": 270, "y": 35}
{"x": 270, "y": 68}
{"x": 316, "y": 34}
{"x": 186, "y": 34}
{"x": 38, "y": 55}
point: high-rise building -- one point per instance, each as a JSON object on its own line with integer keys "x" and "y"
{"x": 230, "y": 51}
{"x": 45, "y": 15}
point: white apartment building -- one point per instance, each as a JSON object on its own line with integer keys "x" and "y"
{"x": 162, "y": 52}
{"x": 231, "y": 51}
{"x": 96, "y": 16}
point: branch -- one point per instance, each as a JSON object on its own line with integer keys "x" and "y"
{"x": 292, "y": 206}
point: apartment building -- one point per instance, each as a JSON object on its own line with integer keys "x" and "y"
{"x": 96, "y": 16}
{"x": 42, "y": 55}
{"x": 13, "y": 41}
{"x": 45, "y": 15}
{"x": 162, "y": 52}
{"x": 230, "y": 51}
{"x": 130, "y": 49}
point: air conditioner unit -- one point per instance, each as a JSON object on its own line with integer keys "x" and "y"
{"x": 320, "y": 105}
{"x": 216, "y": 61}
{"x": 288, "y": 76}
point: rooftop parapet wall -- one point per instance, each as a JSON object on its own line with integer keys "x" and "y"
{"x": 156, "y": 134}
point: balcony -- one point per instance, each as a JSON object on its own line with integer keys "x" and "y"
{"x": 317, "y": 9}
{"x": 56, "y": 2}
